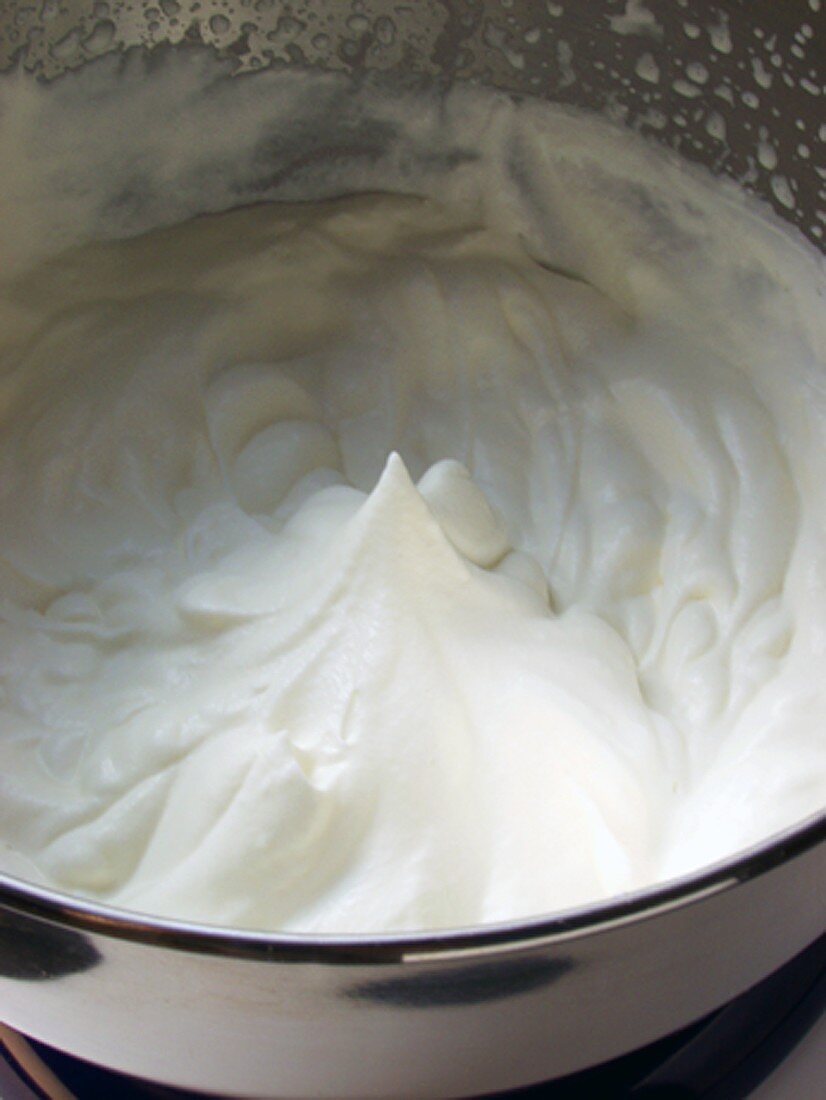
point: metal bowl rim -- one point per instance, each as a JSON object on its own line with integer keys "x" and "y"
{"x": 545, "y": 930}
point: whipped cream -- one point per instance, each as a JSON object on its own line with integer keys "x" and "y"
{"x": 395, "y": 562}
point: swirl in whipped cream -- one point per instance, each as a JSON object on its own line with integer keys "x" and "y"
{"x": 360, "y": 572}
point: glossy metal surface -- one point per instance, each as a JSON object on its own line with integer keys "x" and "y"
{"x": 462, "y": 1013}
{"x": 480, "y": 1010}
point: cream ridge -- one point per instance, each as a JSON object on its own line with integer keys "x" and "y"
{"x": 423, "y": 557}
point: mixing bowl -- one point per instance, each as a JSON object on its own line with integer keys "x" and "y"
{"x": 734, "y": 86}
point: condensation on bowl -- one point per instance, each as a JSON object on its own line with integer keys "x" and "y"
{"x": 711, "y": 81}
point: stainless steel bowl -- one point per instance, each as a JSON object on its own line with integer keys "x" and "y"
{"x": 455, "y": 1014}
{"x": 474, "y": 1010}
